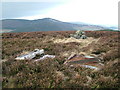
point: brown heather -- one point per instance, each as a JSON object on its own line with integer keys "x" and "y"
{"x": 52, "y": 73}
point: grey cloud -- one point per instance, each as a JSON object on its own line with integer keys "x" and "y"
{"x": 20, "y": 9}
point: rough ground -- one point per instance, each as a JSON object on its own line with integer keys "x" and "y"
{"x": 52, "y": 73}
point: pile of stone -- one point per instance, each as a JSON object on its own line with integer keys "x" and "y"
{"x": 79, "y": 35}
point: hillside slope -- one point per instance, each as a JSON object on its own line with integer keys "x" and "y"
{"x": 45, "y": 24}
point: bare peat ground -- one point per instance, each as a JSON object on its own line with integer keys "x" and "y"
{"x": 52, "y": 73}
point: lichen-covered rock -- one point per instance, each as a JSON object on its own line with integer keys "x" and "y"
{"x": 79, "y": 35}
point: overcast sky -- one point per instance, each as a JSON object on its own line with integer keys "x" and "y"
{"x": 89, "y": 11}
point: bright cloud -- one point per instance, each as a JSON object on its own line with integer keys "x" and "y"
{"x": 90, "y": 11}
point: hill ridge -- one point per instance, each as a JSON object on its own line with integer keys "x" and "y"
{"x": 44, "y": 24}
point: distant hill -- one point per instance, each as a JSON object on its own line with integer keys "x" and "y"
{"x": 110, "y": 30}
{"x": 114, "y": 28}
{"x": 109, "y": 27}
{"x": 45, "y": 24}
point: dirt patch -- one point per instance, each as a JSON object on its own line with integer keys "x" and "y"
{"x": 80, "y": 43}
{"x": 68, "y": 53}
{"x": 83, "y": 42}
